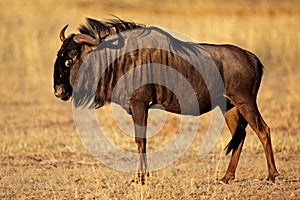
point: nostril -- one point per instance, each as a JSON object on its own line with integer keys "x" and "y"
{"x": 59, "y": 90}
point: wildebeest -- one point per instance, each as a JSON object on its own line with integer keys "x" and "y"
{"x": 241, "y": 72}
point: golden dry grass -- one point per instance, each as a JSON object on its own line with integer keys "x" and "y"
{"x": 41, "y": 155}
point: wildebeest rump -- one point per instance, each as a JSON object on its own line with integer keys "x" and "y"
{"x": 241, "y": 72}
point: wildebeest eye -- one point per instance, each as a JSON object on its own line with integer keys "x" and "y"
{"x": 69, "y": 63}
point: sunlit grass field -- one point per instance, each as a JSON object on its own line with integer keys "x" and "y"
{"x": 41, "y": 155}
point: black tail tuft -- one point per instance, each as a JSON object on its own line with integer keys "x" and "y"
{"x": 235, "y": 141}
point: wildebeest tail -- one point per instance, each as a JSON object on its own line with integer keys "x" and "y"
{"x": 237, "y": 138}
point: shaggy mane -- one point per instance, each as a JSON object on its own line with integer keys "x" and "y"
{"x": 111, "y": 26}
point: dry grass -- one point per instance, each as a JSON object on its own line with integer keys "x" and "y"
{"x": 41, "y": 155}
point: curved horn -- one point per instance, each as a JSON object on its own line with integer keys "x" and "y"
{"x": 62, "y": 33}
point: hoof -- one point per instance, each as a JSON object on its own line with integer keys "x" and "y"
{"x": 226, "y": 180}
{"x": 140, "y": 179}
{"x": 272, "y": 177}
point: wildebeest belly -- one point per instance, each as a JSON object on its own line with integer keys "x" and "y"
{"x": 182, "y": 103}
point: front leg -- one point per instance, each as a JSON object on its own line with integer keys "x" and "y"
{"x": 139, "y": 110}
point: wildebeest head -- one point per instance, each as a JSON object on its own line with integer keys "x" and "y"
{"x": 73, "y": 50}
{"x": 76, "y": 47}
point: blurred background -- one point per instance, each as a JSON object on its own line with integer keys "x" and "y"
{"x": 33, "y": 122}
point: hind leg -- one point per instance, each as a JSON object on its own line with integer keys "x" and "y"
{"x": 255, "y": 120}
{"x": 236, "y": 124}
